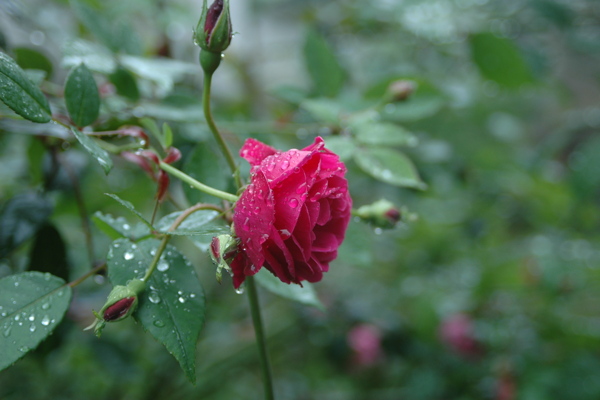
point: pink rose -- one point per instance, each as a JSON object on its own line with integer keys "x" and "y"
{"x": 293, "y": 215}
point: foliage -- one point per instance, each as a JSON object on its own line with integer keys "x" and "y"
{"x": 491, "y": 160}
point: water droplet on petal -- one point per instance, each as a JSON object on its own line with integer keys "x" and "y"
{"x": 285, "y": 164}
{"x": 293, "y": 203}
{"x": 128, "y": 255}
{"x": 240, "y": 290}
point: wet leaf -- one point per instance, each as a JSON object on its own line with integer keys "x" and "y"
{"x": 389, "y": 166}
{"x": 94, "y": 149}
{"x": 131, "y": 208}
{"x": 81, "y": 96}
{"x": 304, "y": 294}
{"x": 326, "y": 72}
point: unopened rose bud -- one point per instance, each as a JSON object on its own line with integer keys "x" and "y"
{"x": 222, "y": 249}
{"x": 400, "y": 90}
{"x": 121, "y": 303}
{"x": 213, "y": 32}
{"x": 382, "y": 214}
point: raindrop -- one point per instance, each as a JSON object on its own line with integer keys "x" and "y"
{"x": 17, "y": 317}
{"x": 192, "y": 295}
{"x": 162, "y": 266}
{"x": 7, "y": 331}
{"x": 23, "y": 349}
{"x": 32, "y": 328}
{"x": 285, "y": 164}
{"x": 31, "y": 317}
{"x": 126, "y": 227}
{"x": 46, "y": 320}
{"x": 181, "y": 299}
{"x": 293, "y": 203}
{"x": 153, "y": 252}
{"x": 16, "y": 283}
{"x": 378, "y": 231}
{"x": 158, "y": 323}
{"x": 45, "y": 306}
{"x": 154, "y": 297}
{"x": 128, "y": 256}
{"x": 239, "y": 290}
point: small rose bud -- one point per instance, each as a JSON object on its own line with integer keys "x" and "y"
{"x": 222, "y": 249}
{"x": 213, "y": 32}
{"x": 382, "y": 214}
{"x": 121, "y": 303}
{"x": 400, "y": 90}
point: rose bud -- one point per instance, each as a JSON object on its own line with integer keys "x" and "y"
{"x": 382, "y": 214}
{"x": 213, "y": 32}
{"x": 293, "y": 215}
{"x": 121, "y": 303}
{"x": 400, "y": 90}
{"x": 222, "y": 249}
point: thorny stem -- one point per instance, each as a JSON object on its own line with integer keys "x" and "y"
{"x": 200, "y": 186}
{"x": 215, "y": 131}
{"x": 166, "y": 238}
{"x": 261, "y": 341}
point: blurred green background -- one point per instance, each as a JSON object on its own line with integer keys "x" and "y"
{"x": 489, "y": 287}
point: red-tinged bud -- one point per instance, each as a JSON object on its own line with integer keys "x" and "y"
{"x": 382, "y": 214}
{"x": 119, "y": 309}
{"x": 140, "y": 161}
{"x": 150, "y": 155}
{"x": 400, "y": 90}
{"x": 222, "y": 249}
{"x": 173, "y": 155}
{"x": 163, "y": 185}
{"x": 214, "y": 32}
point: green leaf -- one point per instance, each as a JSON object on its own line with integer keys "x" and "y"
{"x": 81, "y": 96}
{"x": 116, "y": 228}
{"x": 32, "y": 304}
{"x": 343, "y": 146}
{"x": 131, "y": 208}
{"x": 94, "y": 149}
{"x": 20, "y": 94}
{"x": 326, "y": 72}
{"x": 21, "y": 217}
{"x": 304, "y": 294}
{"x": 206, "y": 165}
{"x": 202, "y": 222}
{"x": 97, "y": 57}
{"x": 389, "y": 166}
{"x": 417, "y": 107}
{"x": 155, "y": 137}
{"x": 499, "y": 60}
{"x": 385, "y": 134}
{"x": 125, "y": 84}
{"x": 172, "y": 306}
{"x": 324, "y": 110}
{"x": 167, "y": 135}
{"x": 32, "y": 59}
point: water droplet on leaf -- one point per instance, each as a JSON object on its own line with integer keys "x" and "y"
{"x": 45, "y": 321}
{"x": 158, "y": 323}
{"x": 128, "y": 256}
{"x": 162, "y": 266}
{"x": 154, "y": 297}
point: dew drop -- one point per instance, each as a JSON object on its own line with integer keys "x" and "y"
{"x": 301, "y": 188}
{"x": 31, "y": 317}
{"x": 285, "y": 164}
{"x": 45, "y": 321}
{"x": 192, "y": 295}
{"x": 181, "y": 299}
{"x": 16, "y": 283}
{"x": 45, "y": 306}
{"x": 293, "y": 203}
{"x": 23, "y": 349}
{"x": 32, "y": 328}
{"x": 128, "y": 255}
{"x": 154, "y": 297}
{"x": 240, "y": 290}
{"x": 7, "y": 331}
{"x": 162, "y": 266}
{"x": 158, "y": 323}
{"x": 17, "y": 317}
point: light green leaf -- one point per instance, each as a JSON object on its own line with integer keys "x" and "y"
{"x": 20, "y": 94}
{"x": 389, "y": 166}
{"x": 200, "y": 223}
{"x": 499, "y": 60}
{"x": 385, "y": 134}
{"x": 131, "y": 208}
{"x": 81, "y": 96}
{"x": 172, "y": 306}
{"x": 304, "y": 294}
{"x": 167, "y": 135}
{"x": 32, "y": 304}
{"x": 323, "y": 66}
{"x": 116, "y": 228}
{"x": 95, "y": 151}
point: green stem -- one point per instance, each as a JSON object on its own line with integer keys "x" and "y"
{"x": 200, "y": 186}
{"x": 166, "y": 238}
{"x": 213, "y": 128}
{"x": 94, "y": 271}
{"x": 260, "y": 338}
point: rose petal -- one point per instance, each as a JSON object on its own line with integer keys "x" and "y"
{"x": 255, "y": 152}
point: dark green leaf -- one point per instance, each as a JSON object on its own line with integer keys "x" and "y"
{"x": 385, "y": 134}
{"x": 49, "y": 253}
{"x": 20, "y": 219}
{"x": 32, "y": 304}
{"x": 20, "y": 94}
{"x": 326, "y": 72}
{"x": 304, "y": 294}
{"x": 206, "y": 165}
{"x": 125, "y": 83}
{"x": 499, "y": 60}
{"x": 116, "y": 228}
{"x": 131, "y": 208}
{"x": 389, "y": 166}
{"x": 94, "y": 149}
{"x": 32, "y": 59}
{"x": 81, "y": 96}
{"x": 172, "y": 306}
{"x": 202, "y": 222}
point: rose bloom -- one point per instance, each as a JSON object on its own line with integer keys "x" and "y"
{"x": 293, "y": 215}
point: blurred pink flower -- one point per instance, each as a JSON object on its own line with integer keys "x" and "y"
{"x": 365, "y": 341}
{"x": 457, "y": 332}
